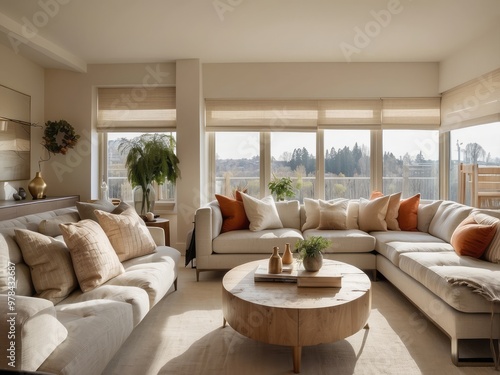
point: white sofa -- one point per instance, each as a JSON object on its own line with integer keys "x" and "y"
{"x": 82, "y": 332}
{"x": 421, "y": 263}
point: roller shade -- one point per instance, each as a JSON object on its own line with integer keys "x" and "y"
{"x": 261, "y": 115}
{"x": 407, "y": 113}
{"x": 358, "y": 113}
{"x": 473, "y": 103}
{"x": 136, "y": 108}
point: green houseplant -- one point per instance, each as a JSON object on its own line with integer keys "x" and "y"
{"x": 281, "y": 187}
{"x": 150, "y": 158}
{"x": 311, "y": 252}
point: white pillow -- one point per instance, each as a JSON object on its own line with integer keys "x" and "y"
{"x": 262, "y": 214}
{"x": 333, "y": 215}
{"x": 372, "y": 214}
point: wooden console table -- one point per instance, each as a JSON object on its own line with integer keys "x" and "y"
{"x": 161, "y": 223}
{"x": 13, "y": 209}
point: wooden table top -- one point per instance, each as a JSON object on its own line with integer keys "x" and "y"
{"x": 240, "y": 283}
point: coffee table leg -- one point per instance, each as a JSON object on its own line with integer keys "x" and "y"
{"x": 297, "y": 353}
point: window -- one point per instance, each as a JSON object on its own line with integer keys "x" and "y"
{"x": 116, "y": 176}
{"x": 411, "y": 162}
{"x": 347, "y": 164}
{"x": 237, "y": 163}
{"x": 294, "y": 155}
{"x": 473, "y": 145}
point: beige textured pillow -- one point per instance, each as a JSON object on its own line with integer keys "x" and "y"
{"x": 50, "y": 264}
{"x": 94, "y": 259}
{"x": 492, "y": 253}
{"x": 311, "y": 206}
{"x": 86, "y": 209}
{"x": 127, "y": 234}
{"x": 50, "y": 227}
{"x": 391, "y": 217}
{"x": 262, "y": 214}
{"x": 333, "y": 215}
{"x": 372, "y": 214}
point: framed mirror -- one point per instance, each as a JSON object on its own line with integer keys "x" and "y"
{"x": 15, "y": 135}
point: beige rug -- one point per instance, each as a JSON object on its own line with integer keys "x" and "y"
{"x": 183, "y": 334}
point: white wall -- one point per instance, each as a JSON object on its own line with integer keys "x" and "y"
{"x": 481, "y": 56}
{"x": 22, "y": 75}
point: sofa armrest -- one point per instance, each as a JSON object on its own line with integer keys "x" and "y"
{"x": 203, "y": 232}
{"x": 30, "y": 331}
{"x": 158, "y": 235}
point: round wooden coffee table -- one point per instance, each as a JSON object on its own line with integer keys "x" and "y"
{"x": 281, "y": 313}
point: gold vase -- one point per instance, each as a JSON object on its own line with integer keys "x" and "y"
{"x": 37, "y": 187}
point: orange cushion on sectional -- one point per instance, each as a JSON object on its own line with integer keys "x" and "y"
{"x": 472, "y": 239}
{"x": 408, "y": 213}
{"x": 376, "y": 194}
{"x": 233, "y": 214}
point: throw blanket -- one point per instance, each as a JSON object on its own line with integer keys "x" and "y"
{"x": 486, "y": 284}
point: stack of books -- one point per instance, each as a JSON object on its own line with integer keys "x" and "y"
{"x": 293, "y": 274}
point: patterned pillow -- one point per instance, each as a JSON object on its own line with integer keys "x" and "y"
{"x": 128, "y": 235}
{"x": 94, "y": 259}
{"x": 50, "y": 264}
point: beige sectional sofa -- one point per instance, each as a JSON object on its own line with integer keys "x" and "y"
{"x": 49, "y": 323}
{"x": 450, "y": 289}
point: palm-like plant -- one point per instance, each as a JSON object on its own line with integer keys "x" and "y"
{"x": 150, "y": 158}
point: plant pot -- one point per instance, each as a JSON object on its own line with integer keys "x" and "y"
{"x": 314, "y": 263}
{"x": 144, "y": 202}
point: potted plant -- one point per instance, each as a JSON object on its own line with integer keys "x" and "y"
{"x": 311, "y": 252}
{"x": 150, "y": 158}
{"x": 282, "y": 187}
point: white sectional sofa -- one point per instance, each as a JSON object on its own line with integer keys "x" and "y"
{"x": 421, "y": 263}
{"x": 78, "y": 333}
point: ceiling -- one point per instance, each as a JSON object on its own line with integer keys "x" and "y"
{"x": 70, "y": 34}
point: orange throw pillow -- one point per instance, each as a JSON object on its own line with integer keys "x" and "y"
{"x": 376, "y": 194}
{"x": 472, "y": 239}
{"x": 233, "y": 214}
{"x": 407, "y": 216}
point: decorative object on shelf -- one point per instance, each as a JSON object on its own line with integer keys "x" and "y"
{"x": 275, "y": 262}
{"x": 287, "y": 257}
{"x": 22, "y": 193}
{"x": 150, "y": 158}
{"x": 104, "y": 191}
{"x": 37, "y": 187}
{"x": 281, "y": 187}
{"x": 311, "y": 252}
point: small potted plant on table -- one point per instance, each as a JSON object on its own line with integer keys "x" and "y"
{"x": 311, "y": 252}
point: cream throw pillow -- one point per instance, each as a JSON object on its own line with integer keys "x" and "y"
{"x": 50, "y": 265}
{"x": 372, "y": 214}
{"x": 50, "y": 227}
{"x": 128, "y": 235}
{"x": 262, "y": 214}
{"x": 492, "y": 253}
{"x": 94, "y": 259}
{"x": 333, "y": 215}
{"x": 391, "y": 216}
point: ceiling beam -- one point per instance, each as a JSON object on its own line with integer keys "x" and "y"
{"x": 20, "y": 38}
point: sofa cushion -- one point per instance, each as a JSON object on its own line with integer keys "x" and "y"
{"x": 94, "y": 259}
{"x": 372, "y": 213}
{"x": 86, "y": 209}
{"x": 472, "y": 238}
{"x": 289, "y": 213}
{"x": 433, "y": 269}
{"x": 233, "y": 214}
{"x": 408, "y": 213}
{"x": 448, "y": 215}
{"x": 262, "y": 242}
{"x": 333, "y": 215}
{"x": 50, "y": 263}
{"x": 391, "y": 217}
{"x": 492, "y": 253}
{"x": 50, "y": 227}
{"x": 128, "y": 235}
{"x": 38, "y": 332}
{"x": 344, "y": 241}
{"x": 261, "y": 213}
{"x": 393, "y": 250}
{"x": 426, "y": 212}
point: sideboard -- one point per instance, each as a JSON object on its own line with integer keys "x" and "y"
{"x": 13, "y": 209}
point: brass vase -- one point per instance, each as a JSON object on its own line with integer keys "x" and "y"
{"x": 37, "y": 187}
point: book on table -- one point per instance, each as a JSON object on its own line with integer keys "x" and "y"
{"x": 293, "y": 274}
